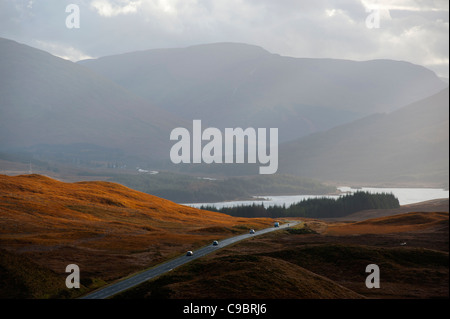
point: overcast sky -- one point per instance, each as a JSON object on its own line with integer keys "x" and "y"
{"x": 410, "y": 30}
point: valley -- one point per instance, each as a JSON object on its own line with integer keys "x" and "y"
{"x": 95, "y": 159}
{"x": 105, "y": 228}
{"x": 111, "y": 232}
{"x": 119, "y": 111}
{"x": 326, "y": 263}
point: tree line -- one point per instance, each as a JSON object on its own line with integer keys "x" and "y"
{"x": 315, "y": 207}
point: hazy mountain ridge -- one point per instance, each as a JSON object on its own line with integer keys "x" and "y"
{"x": 48, "y": 104}
{"x": 48, "y": 100}
{"x": 233, "y": 84}
{"x": 407, "y": 145}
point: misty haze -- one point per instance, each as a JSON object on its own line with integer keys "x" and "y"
{"x": 283, "y": 147}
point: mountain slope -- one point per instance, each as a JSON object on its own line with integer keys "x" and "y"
{"x": 48, "y": 100}
{"x": 232, "y": 84}
{"x": 407, "y": 145}
{"x": 240, "y": 277}
{"x": 324, "y": 265}
{"x": 33, "y": 205}
{"x": 108, "y": 230}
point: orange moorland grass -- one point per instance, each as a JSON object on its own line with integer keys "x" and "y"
{"x": 407, "y": 222}
{"x": 37, "y": 210}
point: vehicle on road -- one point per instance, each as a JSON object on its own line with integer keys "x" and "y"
{"x": 215, "y": 243}
{"x": 277, "y": 224}
{"x": 153, "y": 272}
{"x": 252, "y": 231}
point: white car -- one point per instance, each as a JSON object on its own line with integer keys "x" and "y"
{"x": 189, "y": 253}
{"x": 252, "y": 231}
{"x": 215, "y": 243}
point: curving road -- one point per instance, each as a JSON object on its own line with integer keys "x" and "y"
{"x": 156, "y": 271}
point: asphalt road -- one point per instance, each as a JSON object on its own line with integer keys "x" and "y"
{"x": 156, "y": 271}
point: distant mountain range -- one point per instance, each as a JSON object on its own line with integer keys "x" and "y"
{"x": 125, "y": 106}
{"x": 409, "y": 145}
{"x": 241, "y": 85}
{"x": 48, "y": 100}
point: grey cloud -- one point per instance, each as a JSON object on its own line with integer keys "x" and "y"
{"x": 414, "y": 31}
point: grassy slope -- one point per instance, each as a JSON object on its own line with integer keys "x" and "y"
{"x": 242, "y": 276}
{"x": 111, "y": 231}
{"x": 21, "y": 278}
{"x": 33, "y": 205}
{"x": 289, "y": 264}
{"x": 107, "y": 229}
{"x": 385, "y": 225}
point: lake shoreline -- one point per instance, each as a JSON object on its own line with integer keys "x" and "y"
{"x": 405, "y": 195}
